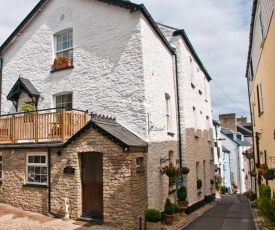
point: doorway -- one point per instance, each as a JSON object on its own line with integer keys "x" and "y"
{"x": 92, "y": 185}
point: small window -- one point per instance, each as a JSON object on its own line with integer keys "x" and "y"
{"x": 260, "y": 98}
{"x": 64, "y": 101}
{"x": 168, "y": 113}
{"x": 195, "y": 119}
{"x": 1, "y": 168}
{"x": 261, "y": 23}
{"x": 251, "y": 70}
{"x": 140, "y": 161}
{"x": 37, "y": 170}
{"x": 64, "y": 45}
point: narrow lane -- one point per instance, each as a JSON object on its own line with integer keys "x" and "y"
{"x": 232, "y": 213}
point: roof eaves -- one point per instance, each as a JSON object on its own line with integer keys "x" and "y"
{"x": 22, "y": 25}
{"x": 191, "y": 48}
{"x": 254, "y": 7}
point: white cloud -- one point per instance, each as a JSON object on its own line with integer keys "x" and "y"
{"x": 217, "y": 29}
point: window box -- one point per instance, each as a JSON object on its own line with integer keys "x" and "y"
{"x": 62, "y": 66}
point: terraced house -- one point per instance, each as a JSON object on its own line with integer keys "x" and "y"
{"x": 96, "y": 98}
{"x": 260, "y": 82}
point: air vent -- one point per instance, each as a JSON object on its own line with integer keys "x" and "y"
{"x": 62, "y": 17}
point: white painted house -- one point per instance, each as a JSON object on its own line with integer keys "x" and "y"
{"x": 124, "y": 65}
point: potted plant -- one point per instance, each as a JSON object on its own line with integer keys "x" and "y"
{"x": 176, "y": 212}
{"x": 269, "y": 174}
{"x": 28, "y": 109}
{"x": 152, "y": 218}
{"x": 182, "y": 195}
{"x": 61, "y": 63}
{"x": 253, "y": 173}
{"x": 168, "y": 212}
{"x": 199, "y": 184}
{"x": 234, "y": 187}
{"x": 212, "y": 182}
{"x": 185, "y": 170}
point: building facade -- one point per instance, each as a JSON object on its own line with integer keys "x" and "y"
{"x": 147, "y": 76}
{"x": 259, "y": 76}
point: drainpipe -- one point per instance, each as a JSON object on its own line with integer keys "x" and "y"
{"x": 178, "y": 108}
{"x": 49, "y": 184}
{"x": 251, "y": 117}
{"x": 258, "y": 156}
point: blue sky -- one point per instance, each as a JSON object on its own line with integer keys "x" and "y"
{"x": 218, "y": 30}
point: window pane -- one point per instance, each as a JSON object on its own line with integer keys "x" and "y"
{"x": 43, "y": 159}
{"x": 37, "y": 178}
{"x": 43, "y": 179}
{"x": 1, "y": 167}
{"x": 0, "y": 174}
{"x": 30, "y": 159}
{"x": 43, "y": 170}
{"x": 37, "y": 170}
{"x": 1, "y": 158}
{"x": 36, "y": 159}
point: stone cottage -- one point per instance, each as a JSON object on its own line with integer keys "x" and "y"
{"x": 131, "y": 98}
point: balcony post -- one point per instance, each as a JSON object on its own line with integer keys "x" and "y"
{"x": 36, "y": 127}
{"x": 13, "y": 129}
{"x": 63, "y": 125}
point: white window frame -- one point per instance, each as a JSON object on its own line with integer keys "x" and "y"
{"x": 45, "y": 165}
{"x": 260, "y": 98}
{"x": 60, "y": 52}
{"x": 168, "y": 113}
{"x": 60, "y": 95}
{"x": 192, "y": 73}
{"x": 1, "y": 168}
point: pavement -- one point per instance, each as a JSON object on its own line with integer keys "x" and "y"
{"x": 12, "y": 218}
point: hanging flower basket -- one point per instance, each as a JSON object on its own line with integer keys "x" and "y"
{"x": 253, "y": 173}
{"x": 170, "y": 171}
{"x": 172, "y": 181}
{"x": 269, "y": 174}
{"x": 184, "y": 170}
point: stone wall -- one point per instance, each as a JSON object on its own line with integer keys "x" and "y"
{"x": 199, "y": 151}
{"x": 124, "y": 189}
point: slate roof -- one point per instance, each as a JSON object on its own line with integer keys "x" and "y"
{"x": 114, "y": 131}
{"x": 225, "y": 149}
{"x": 230, "y": 135}
{"x": 22, "y": 85}
{"x": 244, "y": 131}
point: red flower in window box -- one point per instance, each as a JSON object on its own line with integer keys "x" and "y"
{"x": 61, "y": 63}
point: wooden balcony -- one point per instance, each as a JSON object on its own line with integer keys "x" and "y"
{"x": 41, "y": 126}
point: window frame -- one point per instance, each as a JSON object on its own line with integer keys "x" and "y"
{"x": 168, "y": 113}
{"x": 62, "y": 103}
{"x": 45, "y": 165}
{"x": 261, "y": 22}
{"x": 260, "y": 98}
{"x": 70, "y": 48}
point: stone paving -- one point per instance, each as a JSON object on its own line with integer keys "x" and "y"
{"x": 16, "y": 219}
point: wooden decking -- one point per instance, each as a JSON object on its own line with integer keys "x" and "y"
{"x": 40, "y": 126}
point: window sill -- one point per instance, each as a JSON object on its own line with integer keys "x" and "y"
{"x": 140, "y": 169}
{"x": 171, "y": 134}
{"x": 35, "y": 185}
{"x": 56, "y": 70}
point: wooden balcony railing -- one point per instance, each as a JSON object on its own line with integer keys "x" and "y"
{"x": 41, "y": 126}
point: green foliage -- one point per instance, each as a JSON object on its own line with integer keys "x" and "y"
{"x": 27, "y": 107}
{"x": 168, "y": 208}
{"x": 199, "y": 183}
{"x": 153, "y": 215}
{"x": 224, "y": 189}
{"x": 265, "y": 191}
{"x": 182, "y": 193}
{"x": 176, "y": 208}
{"x": 185, "y": 170}
{"x": 267, "y": 208}
{"x": 218, "y": 186}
